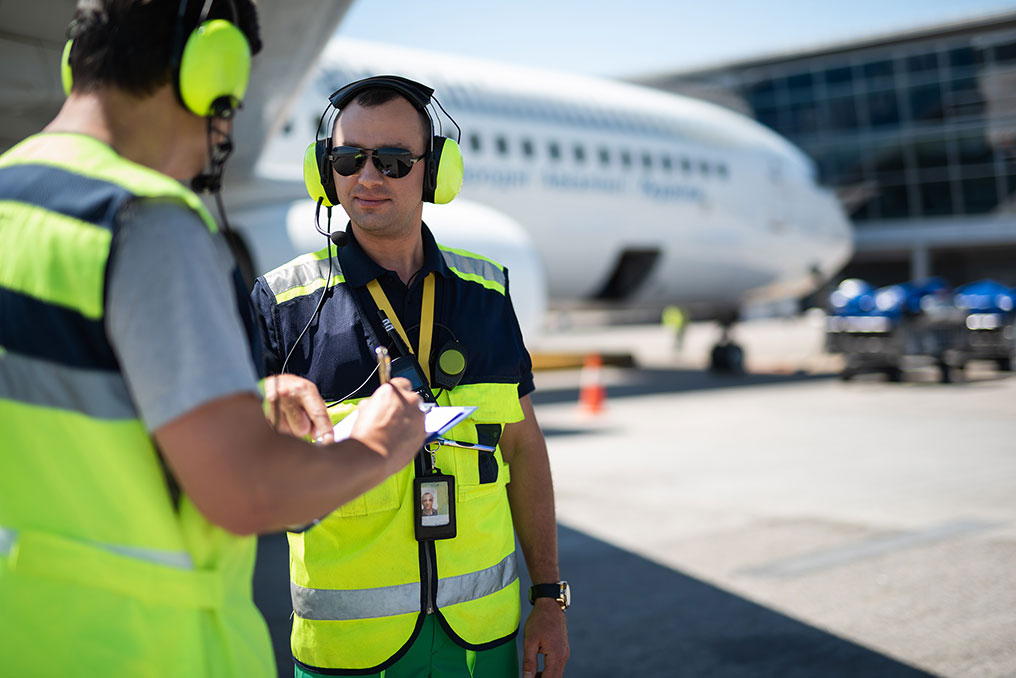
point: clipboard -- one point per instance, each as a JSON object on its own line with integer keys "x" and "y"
{"x": 436, "y": 422}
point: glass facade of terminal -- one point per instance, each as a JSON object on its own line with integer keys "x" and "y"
{"x": 902, "y": 130}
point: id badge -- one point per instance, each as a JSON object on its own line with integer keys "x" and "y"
{"x": 435, "y": 507}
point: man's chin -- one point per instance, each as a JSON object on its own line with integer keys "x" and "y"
{"x": 371, "y": 218}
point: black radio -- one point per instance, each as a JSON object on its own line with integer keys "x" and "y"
{"x": 406, "y": 365}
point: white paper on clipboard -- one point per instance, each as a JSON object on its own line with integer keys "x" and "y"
{"x": 437, "y": 421}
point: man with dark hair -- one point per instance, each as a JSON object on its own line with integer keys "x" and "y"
{"x": 140, "y": 60}
{"x": 381, "y": 587}
{"x": 135, "y": 450}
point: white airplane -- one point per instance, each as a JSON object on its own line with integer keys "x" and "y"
{"x": 629, "y": 195}
{"x": 591, "y": 191}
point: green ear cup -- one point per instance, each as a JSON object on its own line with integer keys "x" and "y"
{"x": 317, "y": 175}
{"x": 214, "y": 68}
{"x": 65, "y": 68}
{"x": 448, "y": 181}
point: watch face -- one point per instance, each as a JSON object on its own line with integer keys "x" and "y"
{"x": 565, "y": 598}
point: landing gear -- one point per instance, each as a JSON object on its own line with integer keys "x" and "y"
{"x": 944, "y": 374}
{"x": 726, "y": 357}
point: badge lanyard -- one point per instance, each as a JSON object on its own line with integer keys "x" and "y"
{"x": 434, "y": 493}
{"x": 426, "y": 319}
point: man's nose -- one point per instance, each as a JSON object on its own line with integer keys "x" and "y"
{"x": 369, "y": 173}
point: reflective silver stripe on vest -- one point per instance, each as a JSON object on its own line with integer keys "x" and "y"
{"x": 301, "y": 272}
{"x": 387, "y": 601}
{"x": 474, "y": 266}
{"x": 96, "y": 393}
{"x": 7, "y": 538}
{"x": 466, "y": 587}
{"x": 180, "y": 559}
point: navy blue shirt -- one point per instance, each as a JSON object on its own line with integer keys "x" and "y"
{"x": 337, "y": 350}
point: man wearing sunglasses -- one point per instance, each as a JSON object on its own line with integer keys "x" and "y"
{"x": 374, "y": 593}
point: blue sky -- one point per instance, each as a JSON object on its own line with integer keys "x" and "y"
{"x": 632, "y": 37}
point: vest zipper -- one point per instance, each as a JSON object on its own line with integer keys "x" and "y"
{"x": 429, "y": 557}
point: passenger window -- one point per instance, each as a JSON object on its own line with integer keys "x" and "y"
{"x": 474, "y": 142}
{"x": 721, "y": 171}
{"x": 626, "y": 158}
{"x": 527, "y": 148}
{"x": 666, "y": 163}
{"x": 703, "y": 168}
{"x": 502, "y": 146}
{"x": 579, "y": 153}
{"x": 604, "y": 156}
{"x": 647, "y": 161}
{"x": 686, "y": 165}
{"x": 554, "y": 151}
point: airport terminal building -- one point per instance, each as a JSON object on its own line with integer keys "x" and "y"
{"x": 916, "y": 132}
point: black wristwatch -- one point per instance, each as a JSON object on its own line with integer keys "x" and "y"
{"x": 559, "y": 591}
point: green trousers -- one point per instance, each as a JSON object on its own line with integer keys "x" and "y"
{"x": 434, "y": 655}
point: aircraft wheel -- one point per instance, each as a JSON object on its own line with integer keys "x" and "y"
{"x": 1005, "y": 364}
{"x": 945, "y": 377}
{"x": 727, "y": 358}
{"x": 894, "y": 374}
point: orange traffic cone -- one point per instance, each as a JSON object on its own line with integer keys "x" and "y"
{"x": 592, "y": 392}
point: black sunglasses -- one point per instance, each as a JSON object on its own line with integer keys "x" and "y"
{"x": 391, "y": 162}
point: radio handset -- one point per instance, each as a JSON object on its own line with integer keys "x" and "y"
{"x": 406, "y": 365}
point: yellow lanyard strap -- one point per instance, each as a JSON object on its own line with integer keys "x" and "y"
{"x": 426, "y": 319}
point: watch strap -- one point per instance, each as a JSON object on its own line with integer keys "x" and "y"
{"x": 544, "y": 591}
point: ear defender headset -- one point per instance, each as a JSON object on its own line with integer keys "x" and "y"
{"x": 442, "y": 182}
{"x": 211, "y": 64}
{"x": 443, "y": 159}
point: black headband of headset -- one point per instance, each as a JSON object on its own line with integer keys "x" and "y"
{"x": 419, "y": 94}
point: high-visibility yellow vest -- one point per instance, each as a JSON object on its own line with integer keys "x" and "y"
{"x": 361, "y": 584}
{"x": 101, "y": 573}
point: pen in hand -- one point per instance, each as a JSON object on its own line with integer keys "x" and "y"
{"x": 384, "y": 364}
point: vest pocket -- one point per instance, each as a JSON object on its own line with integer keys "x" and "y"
{"x": 479, "y": 473}
{"x": 384, "y": 497}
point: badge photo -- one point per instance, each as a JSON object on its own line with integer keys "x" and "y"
{"x": 435, "y": 507}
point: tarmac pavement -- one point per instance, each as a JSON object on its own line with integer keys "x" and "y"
{"x": 779, "y": 523}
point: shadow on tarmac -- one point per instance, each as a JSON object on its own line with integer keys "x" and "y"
{"x": 642, "y": 382}
{"x": 631, "y": 617}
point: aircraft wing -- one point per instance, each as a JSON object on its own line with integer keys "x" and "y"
{"x": 32, "y": 36}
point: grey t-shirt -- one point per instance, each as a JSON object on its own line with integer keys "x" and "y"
{"x": 171, "y": 313}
